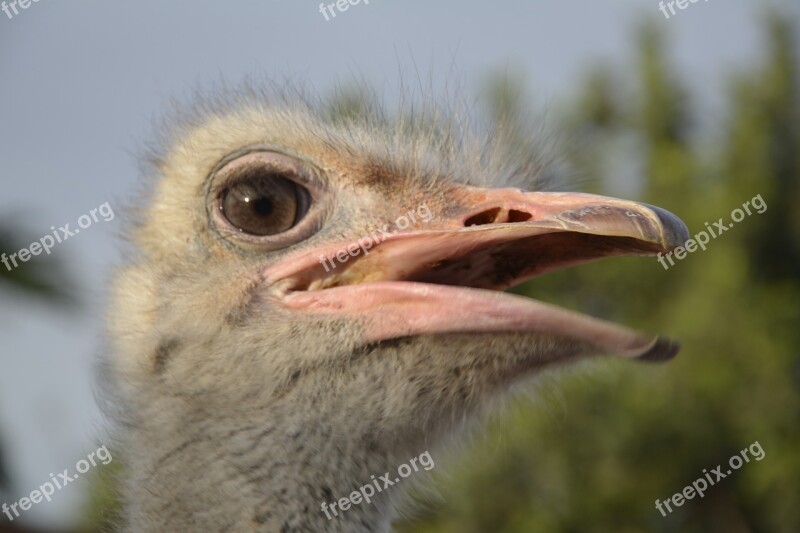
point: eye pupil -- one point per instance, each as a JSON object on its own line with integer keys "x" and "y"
{"x": 262, "y": 206}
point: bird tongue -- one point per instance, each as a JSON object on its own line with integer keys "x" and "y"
{"x": 433, "y": 281}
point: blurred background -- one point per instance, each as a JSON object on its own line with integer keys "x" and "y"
{"x": 697, "y": 113}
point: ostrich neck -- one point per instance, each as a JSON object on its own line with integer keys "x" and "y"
{"x": 205, "y": 472}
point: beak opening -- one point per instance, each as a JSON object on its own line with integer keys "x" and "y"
{"x": 408, "y": 282}
{"x": 492, "y": 247}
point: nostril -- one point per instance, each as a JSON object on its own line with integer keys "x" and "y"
{"x": 486, "y": 217}
{"x": 497, "y": 215}
{"x": 518, "y": 216}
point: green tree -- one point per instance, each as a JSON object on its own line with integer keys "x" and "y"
{"x": 600, "y": 444}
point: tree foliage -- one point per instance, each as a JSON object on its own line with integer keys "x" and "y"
{"x": 594, "y": 451}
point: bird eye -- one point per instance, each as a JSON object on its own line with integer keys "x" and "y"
{"x": 264, "y": 202}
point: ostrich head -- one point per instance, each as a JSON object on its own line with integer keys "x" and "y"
{"x": 313, "y": 302}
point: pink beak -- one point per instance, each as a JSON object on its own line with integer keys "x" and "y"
{"x": 442, "y": 275}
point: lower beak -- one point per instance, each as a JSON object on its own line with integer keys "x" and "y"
{"x": 443, "y": 275}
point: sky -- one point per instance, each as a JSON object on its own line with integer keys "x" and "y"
{"x": 84, "y": 82}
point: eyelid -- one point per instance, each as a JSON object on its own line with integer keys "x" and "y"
{"x": 226, "y": 178}
{"x": 310, "y": 175}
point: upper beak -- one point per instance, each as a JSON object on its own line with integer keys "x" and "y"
{"x": 401, "y": 283}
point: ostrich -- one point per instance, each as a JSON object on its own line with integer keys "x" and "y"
{"x": 312, "y": 301}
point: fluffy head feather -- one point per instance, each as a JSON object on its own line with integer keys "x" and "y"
{"x": 236, "y": 414}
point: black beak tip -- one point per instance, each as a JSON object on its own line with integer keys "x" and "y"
{"x": 674, "y": 231}
{"x": 664, "y": 349}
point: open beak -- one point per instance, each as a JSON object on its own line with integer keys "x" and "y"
{"x": 446, "y": 274}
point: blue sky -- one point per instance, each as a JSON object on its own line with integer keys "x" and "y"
{"x": 83, "y": 83}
